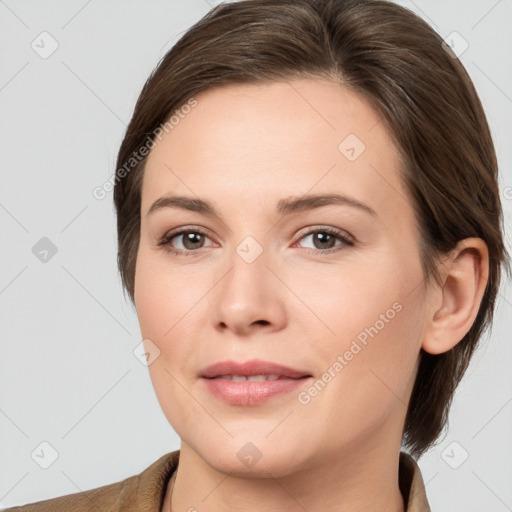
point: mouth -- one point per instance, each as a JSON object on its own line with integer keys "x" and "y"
{"x": 255, "y": 378}
{"x": 254, "y": 370}
{"x": 251, "y": 382}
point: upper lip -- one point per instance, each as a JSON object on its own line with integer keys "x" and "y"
{"x": 253, "y": 367}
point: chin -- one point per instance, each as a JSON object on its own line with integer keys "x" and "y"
{"x": 247, "y": 459}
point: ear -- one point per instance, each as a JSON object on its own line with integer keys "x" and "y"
{"x": 455, "y": 304}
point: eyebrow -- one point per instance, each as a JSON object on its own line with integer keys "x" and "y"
{"x": 284, "y": 206}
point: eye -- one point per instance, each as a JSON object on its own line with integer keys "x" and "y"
{"x": 191, "y": 241}
{"x": 324, "y": 240}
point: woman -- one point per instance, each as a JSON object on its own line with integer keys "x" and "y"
{"x": 313, "y": 251}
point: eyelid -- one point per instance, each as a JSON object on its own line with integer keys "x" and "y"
{"x": 307, "y": 230}
{"x": 181, "y": 231}
{"x": 317, "y": 228}
{"x": 347, "y": 240}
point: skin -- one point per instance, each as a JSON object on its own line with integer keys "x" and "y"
{"x": 243, "y": 148}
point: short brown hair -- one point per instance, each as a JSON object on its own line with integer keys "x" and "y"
{"x": 425, "y": 97}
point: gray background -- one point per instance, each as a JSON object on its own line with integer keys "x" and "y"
{"x": 68, "y": 373}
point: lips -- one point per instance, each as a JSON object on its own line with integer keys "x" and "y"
{"x": 257, "y": 368}
{"x": 251, "y": 382}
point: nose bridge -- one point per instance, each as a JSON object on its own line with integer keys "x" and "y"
{"x": 247, "y": 278}
{"x": 248, "y": 293}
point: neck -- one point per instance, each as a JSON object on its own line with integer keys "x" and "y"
{"x": 350, "y": 482}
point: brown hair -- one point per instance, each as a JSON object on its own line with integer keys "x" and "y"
{"x": 424, "y": 95}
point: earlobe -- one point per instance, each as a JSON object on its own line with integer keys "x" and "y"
{"x": 465, "y": 274}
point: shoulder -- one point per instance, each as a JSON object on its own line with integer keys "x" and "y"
{"x": 138, "y": 492}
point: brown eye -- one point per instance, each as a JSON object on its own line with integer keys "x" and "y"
{"x": 324, "y": 240}
{"x": 184, "y": 241}
{"x": 192, "y": 240}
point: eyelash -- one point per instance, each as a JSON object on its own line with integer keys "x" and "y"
{"x": 166, "y": 239}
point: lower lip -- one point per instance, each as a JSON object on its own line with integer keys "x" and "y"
{"x": 251, "y": 392}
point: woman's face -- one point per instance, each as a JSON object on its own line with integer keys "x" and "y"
{"x": 252, "y": 283}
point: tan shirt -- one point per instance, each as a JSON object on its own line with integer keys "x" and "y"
{"x": 145, "y": 492}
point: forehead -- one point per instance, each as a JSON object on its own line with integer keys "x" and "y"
{"x": 260, "y": 142}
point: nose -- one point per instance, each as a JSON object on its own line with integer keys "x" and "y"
{"x": 250, "y": 297}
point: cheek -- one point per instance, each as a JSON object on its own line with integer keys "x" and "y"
{"x": 165, "y": 297}
{"x": 165, "y": 301}
{"x": 341, "y": 300}
{"x": 370, "y": 315}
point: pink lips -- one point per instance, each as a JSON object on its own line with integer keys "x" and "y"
{"x": 249, "y": 392}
